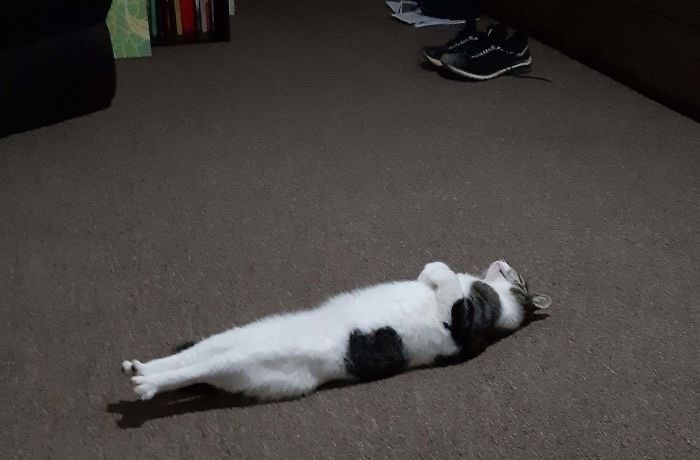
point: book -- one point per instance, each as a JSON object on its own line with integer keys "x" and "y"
{"x": 167, "y": 8}
{"x": 153, "y": 18}
{"x": 178, "y": 17}
{"x": 211, "y": 15}
{"x": 127, "y": 22}
{"x": 164, "y": 16}
{"x": 198, "y": 15}
{"x": 186, "y": 21}
{"x": 188, "y": 15}
{"x": 205, "y": 16}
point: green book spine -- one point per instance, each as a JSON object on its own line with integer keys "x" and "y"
{"x": 153, "y": 17}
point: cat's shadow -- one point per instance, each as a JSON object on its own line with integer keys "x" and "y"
{"x": 195, "y": 398}
{"x": 202, "y": 397}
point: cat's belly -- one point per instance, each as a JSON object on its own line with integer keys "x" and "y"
{"x": 403, "y": 314}
{"x": 425, "y": 345}
{"x": 409, "y": 308}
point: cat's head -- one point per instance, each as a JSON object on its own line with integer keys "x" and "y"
{"x": 513, "y": 287}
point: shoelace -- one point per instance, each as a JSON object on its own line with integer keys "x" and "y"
{"x": 494, "y": 47}
{"x": 486, "y": 51}
{"x": 461, "y": 39}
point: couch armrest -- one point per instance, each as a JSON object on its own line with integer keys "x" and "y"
{"x": 33, "y": 20}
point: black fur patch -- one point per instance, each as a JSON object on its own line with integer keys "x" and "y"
{"x": 184, "y": 346}
{"x": 474, "y": 317}
{"x": 375, "y": 355}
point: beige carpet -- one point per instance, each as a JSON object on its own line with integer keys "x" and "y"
{"x": 313, "y": 154}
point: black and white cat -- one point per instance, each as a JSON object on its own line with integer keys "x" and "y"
{"x": 363, "y": 335}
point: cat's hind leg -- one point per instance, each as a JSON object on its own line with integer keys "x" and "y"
{"x": 132, "y": 367}
{"x": 224, "y": 370}
{"x": 235, "y": 371}
{"x": 206, "y": 348}
{"x": 207, "y": 371}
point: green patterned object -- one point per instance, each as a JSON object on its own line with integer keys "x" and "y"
{"x": 128, "y": 26}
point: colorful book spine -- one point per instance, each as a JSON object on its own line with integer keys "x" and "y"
{"x": 198, "y": 15}
{"x": 178, "y": 17}
{"x": 205, "y": 16}
{"x": 152, "y": 18}
{"x": 188, "y": 15}
{"x": 185, "y": 21}
{"x": 164, "y": 16}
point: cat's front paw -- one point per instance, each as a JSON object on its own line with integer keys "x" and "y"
{"x": 144, "y": 388}
{"x": 435, "y": 273}
{"x": 133, "y": 367}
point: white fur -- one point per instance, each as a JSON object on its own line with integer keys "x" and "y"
{"x": 291, "y": 355}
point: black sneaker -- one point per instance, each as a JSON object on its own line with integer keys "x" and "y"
{"x": 494, "y": 58}
{"x": 466, "y": 39}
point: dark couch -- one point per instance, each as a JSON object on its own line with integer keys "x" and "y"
{"x": 652, "y": 46}
{"x": 56, "y": 62}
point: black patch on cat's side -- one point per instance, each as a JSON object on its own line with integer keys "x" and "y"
{"x": 474, "y": 317}
{"x": 375, "y": 355}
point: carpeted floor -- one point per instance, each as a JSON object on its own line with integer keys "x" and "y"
{"x": 313, "y": 154}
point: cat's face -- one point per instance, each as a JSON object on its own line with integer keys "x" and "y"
{"x": 500, "y": 272}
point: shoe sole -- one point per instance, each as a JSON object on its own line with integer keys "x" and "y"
{"x": 433, "y": 61}
{"x": 520, "y": 67}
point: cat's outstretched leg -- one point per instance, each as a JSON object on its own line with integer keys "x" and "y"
{"x": 206, "y": 348}
{"x": 266, "y": 378}
{"x": 210, "y": 370}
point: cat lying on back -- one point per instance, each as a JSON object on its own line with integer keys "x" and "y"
{"x": 365, "y": 334}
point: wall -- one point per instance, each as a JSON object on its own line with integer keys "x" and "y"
{"x": 649, "y": 45}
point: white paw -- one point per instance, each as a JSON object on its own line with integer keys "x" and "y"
{"x": 434, "y": 273}
{"x": 133, "y": 367}
{"x": 127, "y": 367}
{"x": 144, "y": 388}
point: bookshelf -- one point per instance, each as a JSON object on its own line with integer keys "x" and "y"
{"x": 179, "y": 22}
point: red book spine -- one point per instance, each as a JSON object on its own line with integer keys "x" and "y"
{"x": 188, "y": 15}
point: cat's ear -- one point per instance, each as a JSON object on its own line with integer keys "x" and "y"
{"x": 541, "y": 301}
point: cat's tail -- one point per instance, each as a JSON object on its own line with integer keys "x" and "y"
{"x": 184, "y": 346}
